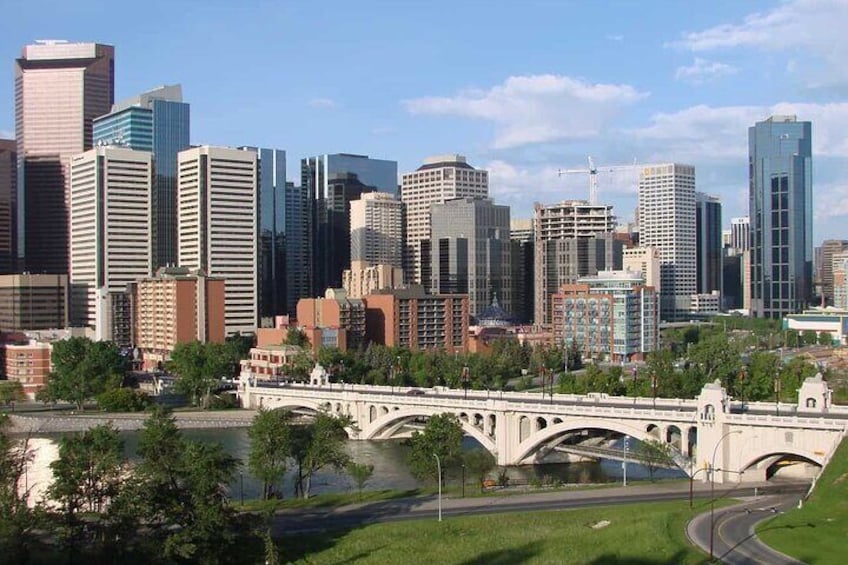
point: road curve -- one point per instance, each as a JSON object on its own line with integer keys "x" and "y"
{"x": 734, "y": 540}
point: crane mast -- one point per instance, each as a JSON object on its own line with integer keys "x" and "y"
{"x": 592, "y": 171}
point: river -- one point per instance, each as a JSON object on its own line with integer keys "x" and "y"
{"x": 388, "y": 458}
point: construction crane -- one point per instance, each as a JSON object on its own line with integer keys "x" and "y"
{"x": 593, "y": 175}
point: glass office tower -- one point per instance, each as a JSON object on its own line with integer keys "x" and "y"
{"x": 708, "y": 243}
{"x": 60, "y": 87}
{"x": 331, "y": 183}
{"x": 781, "y": 211}
{"x": 157, "y": 121}
{"x": 271, "y": 231}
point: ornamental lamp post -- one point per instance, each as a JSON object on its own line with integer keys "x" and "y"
{"x": 466, "y": 379}
{"x": 712, "y": 487}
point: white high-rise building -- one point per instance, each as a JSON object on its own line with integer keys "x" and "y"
{"x": 439, "y": 179}
{"x": 110, "y": 234}
{"x": 667, "y": 222}
{"x": 740, "y": 234}
{"x": 376, "y": 230}
{"x": 216, "y": 215}
{"x": 644, "y": 260}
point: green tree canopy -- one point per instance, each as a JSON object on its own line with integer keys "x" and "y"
{"x": 317, "y": 445}
{"x": 442, "y": 436}
{"x": 270, "y": 437}
{"x": 17, "y": 520}
{"x": 653, "y": 454}
{"x": 82, "y": 369}
{"x": 199, "y": 368}
{"x": 479, "y": 463}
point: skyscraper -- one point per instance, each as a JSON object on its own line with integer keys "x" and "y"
{"x": 217, "y": 225}
{"x": 439, "y": 179}
{"x": 8, "y": 204}
{"x": 781, "y": 208}
{"x": 110, "y": 236}
{"x": 667, "y": 222}
{"x": 521, "y": 259}
{"x": 376, "y": 230}
{"x": 740, "y": 234}
{"x": 830, "y": 249}
{"x": 298, "y": 246}
{"x": 60, "y": 88}
{"x": 708, "y": 243}
{"x": 332, "y": 182}
{"x": 572, "y": 239}
{"x": 272, "y": 232}
{"x": 470, "y": 252}
{"x": 159, "y": 121}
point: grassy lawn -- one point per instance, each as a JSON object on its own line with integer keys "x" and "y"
{"x": 642, "y": 534}
{"x": 816, "y": 533}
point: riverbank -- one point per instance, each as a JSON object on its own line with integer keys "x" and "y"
{"x": 66, "y": 422}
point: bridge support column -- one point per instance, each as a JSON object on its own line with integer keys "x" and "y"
{"x": 507, "y": 437}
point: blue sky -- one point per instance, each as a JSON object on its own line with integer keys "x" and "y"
{"x": 522, "y": 88}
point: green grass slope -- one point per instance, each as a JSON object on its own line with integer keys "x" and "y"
{"x": 817, "y": 533}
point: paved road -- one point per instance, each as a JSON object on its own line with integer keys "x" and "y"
{"x": 322, "y": 519}
{"x": 734, "y": 540}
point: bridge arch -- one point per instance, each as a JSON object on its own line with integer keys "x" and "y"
{"x": 285, "y": 403}
{"x": 778, "y": 454}
{"x": 537, "y": 440}
{"x": 394, "y": 417}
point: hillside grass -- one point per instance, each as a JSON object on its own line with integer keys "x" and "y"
{"x": 816, "y": 533}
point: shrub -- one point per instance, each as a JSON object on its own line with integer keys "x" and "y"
{"x": 123, "y": 400}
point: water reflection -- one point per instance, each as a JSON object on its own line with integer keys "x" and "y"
{"x": 388, "y": 458}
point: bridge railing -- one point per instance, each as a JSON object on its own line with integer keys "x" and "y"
{"x": 789, "y": 421}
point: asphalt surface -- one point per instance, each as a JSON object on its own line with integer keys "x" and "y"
{"x": 316, "y": 520}
{"x": 734, "y": 540}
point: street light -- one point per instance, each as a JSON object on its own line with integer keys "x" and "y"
{"x": 624, "y": 464}
{"x": 439, "y": 470}
{"x": 712, "y": 487}
{"x": 654, "y": 389}
{"x": 777, "y": 395}
{"x": 465, "y": 378}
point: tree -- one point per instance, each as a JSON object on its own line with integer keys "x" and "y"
{"x": 88, "y": 472}
{"x": 82, "y": 369}
{"x": 757, "y": 382}
{"x": 360, "y": 473}
{"x": 442, "y": 436}
{"x": 479, "y": 463}
{"x": 11, "y": 391}
{"x": 180, "y": 491}
{"x": 809, "y": 337}
{"x": 199, "y": 368}
{"x": 296, "y": 336}
{"x": 654, "y": 454}
{"x": 17, "y": 520}
{"x": 270, "y": 444}
{"x": 319, "y": 444}
{"x": 825, "y": 338}
{"x": 123, "y": 399}
{"x": 236, "y": 348}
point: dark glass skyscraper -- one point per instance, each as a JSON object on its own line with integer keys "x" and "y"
{"x": 708, "y": 242}
{"x": 331, "y": 183}
{"x": 157, "y": 121}
{"x": 272, "y": 230}
{"x": 781, "y": 210}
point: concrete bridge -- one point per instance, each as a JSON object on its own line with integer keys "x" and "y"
{"x": 741, "y": 441}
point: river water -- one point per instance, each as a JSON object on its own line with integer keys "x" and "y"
{"x": 388, "y": 458}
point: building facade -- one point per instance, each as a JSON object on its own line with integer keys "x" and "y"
{"x": 376, "y": 230}
{"x": 160, "y": 122}
{"x": 611, "y": 316}
{"x": 60, "y": 88}
{"x": 332, "y": 182}
{"x": 28, "y": 363}
{"x": 409, "y": 317}
{"x": 522, "y": 259}
{"x": 33, "y": 302}
{"x": 781, "y": 208}
{"x": 439, "y": 179}
{"x": 646, "y": 261}
{"x": 8, "y": 205}
{"x": 667, "y": 222}
{"x": 470, "y": 252}
{"x": 708, "y": 246}
{"x": 217, "y": 225}
{"x": 175, "y": 306}
{"x": 273, "y": 230}
{"x": 110, "y": 236}
{"x": 572, "y": 239}
{"x": 830, "y": 248}
{"x": 740, "y": 234}
{"x": 362, "y": 281}
{"x": 336, "y": 310}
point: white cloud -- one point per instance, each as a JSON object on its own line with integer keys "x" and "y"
{"x": 616, "y": 37}
{"x": 830, "y": 200}
{"x": 6, "y": 134}
{"x": 703, "y": 70}
{"x": 322, "y": 103}
{"x": 535, "y": 108}
{"x": 716, "y": 133}
{"x": 816, "y": 27}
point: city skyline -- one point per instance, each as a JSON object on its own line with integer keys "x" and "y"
{"x": 654, "y": 83}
